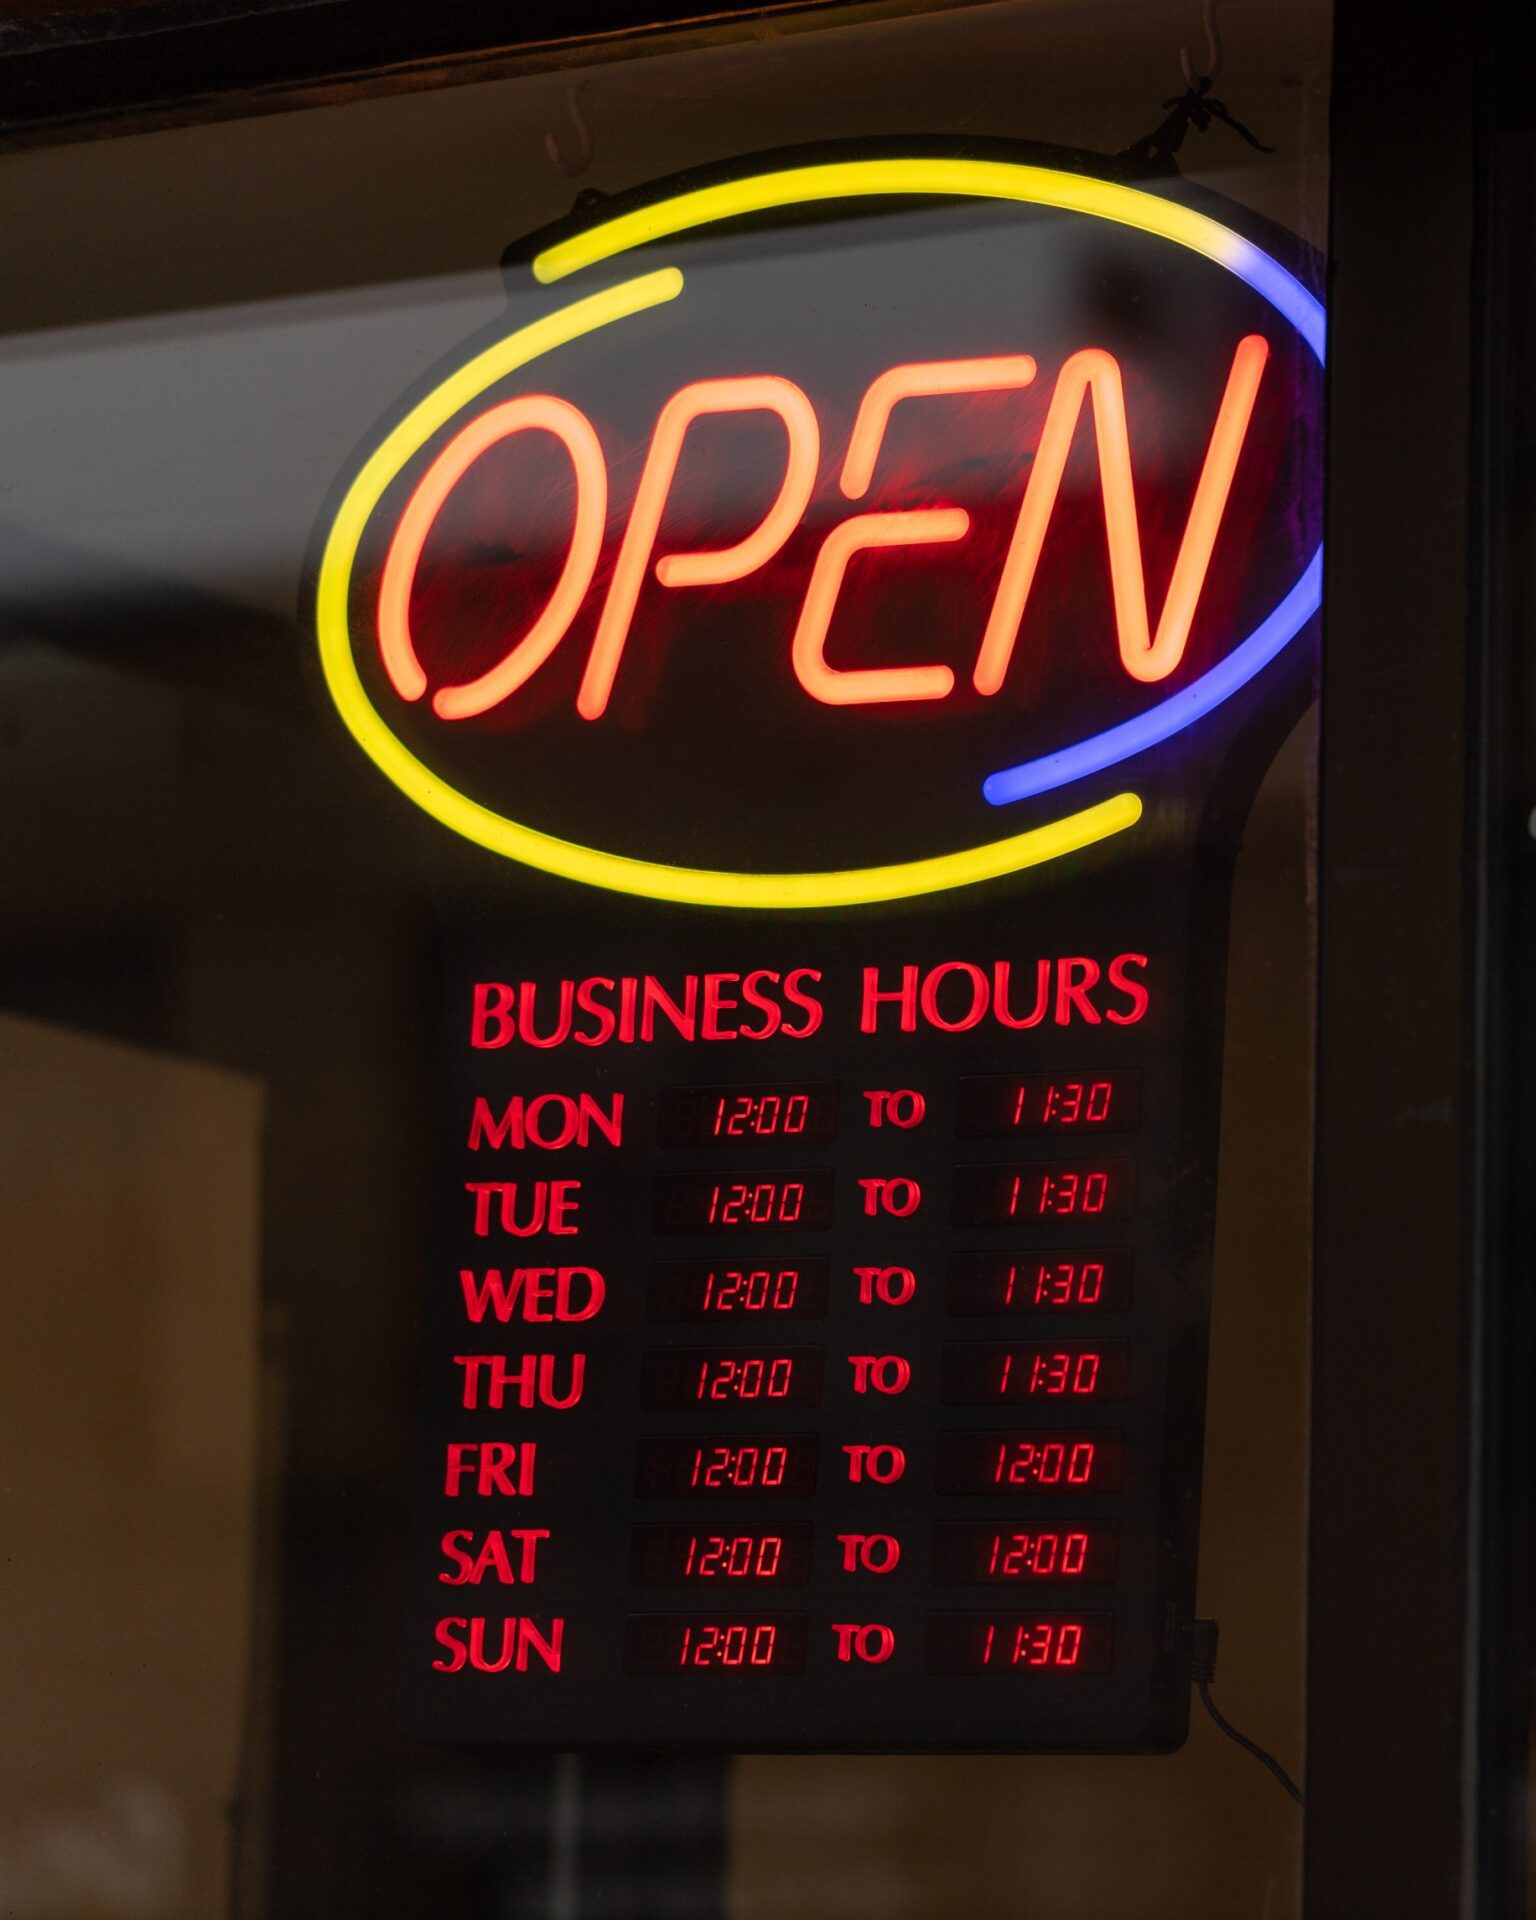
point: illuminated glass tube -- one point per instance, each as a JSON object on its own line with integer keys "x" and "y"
{"x": 973, "y": 179}
{"x": 1169, "y": 716}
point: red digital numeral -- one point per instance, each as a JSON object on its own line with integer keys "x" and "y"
{"x": 745, "y": 1379}
{"x": 734, "y": 1646}
{"x": 1060, "y": 1193}
{"x": 1049, "y": 1463}
{"x": 756, "y": 1203}
{"x": 741, "y": 1556}
{"x": 1063, "y": 1283}
{"x": 1072, "y": 1374}
{"x": 739, "y": 1466}
{"x": 1017, "y": 1556}
{"x": 764, "y": 1115}
{"x": 759, "y": 1291}
{"x": 1033, "y": 1643}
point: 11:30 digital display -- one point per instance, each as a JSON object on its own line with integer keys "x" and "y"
{"x": 1060, "y": 1282}
{"x": 1000, "y": 1106}
{"x": 1000, "y": 1194}
{"x": 983, "y": 1373}
{"x": 1021, "y": 1643}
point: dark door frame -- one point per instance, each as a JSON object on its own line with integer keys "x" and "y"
{"x": 1417, "y": 1706}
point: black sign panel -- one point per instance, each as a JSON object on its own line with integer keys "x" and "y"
{"x": 872, "y": 589}
{"x": 755, "y": 1438}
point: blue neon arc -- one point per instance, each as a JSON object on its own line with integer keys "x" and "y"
{"x": 1172, "y": 715}
{"x": 1305, "y": 313}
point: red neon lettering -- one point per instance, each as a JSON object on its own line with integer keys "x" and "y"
{"x": 899, "y": 1196}
{"x": 518, "y": 1639}
{"x": 530, "y": 1640}
{"x": 752, "y": 996}
{"x": 521, "y": 1126}
{"x": 871, "y": 1644}
{"x": 884, "y": 1465}
{"x": 445, "y": 1633}
{"x": 568, "y": 1278}
{"x": 1144, "y": 655}
{"x": 496, "y": 1201}
{"x": 490, "y": 1463}
{"x": 903, "y": 1107}
{"x": 865, "y": 686}
{"x": 914, "y": 527}
{"x": 577, "y": 1118}
{"x": 490, "y": 1022}
{"x": 892, "y": 1286}
{"x": 532, "y": 1380}
{"x": 870, "y": 1552}
{"x": 526, "y": 1290}
{"x": 493, "y": 1556}
{"x": 1002, "y": 973}
{"x": 875, "y": 997}
{"x": 655, "y": 999}
{"x": 593, "y": 1012}
{"x": 1091, "y": 373}
{"x": 486, "y": 1130}
{"x": 766, "y": 393}
{"x": 533, "y": 1293}
{"x": 574, "y": 430}
{"x": 884, "y": 1372}
{"x": 1132, "y": 989}
{"x": 808, "y": 1003}
{"x": 716, "y": 1002}
{"x": 1074, "y": 977}
{"x": 528, "y": 1000}
{"x": 981, "y": 994}
{"x": 604, "y": 1018}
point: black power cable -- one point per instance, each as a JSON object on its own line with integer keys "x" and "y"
{"x": 1204, "y": 1635}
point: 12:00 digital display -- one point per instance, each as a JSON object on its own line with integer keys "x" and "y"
{"x": 696, "y": 1290}
{"x": 983, "y": 1553}
{"x": 734, "y": 1203}
{"x": 704, "y": 1116}
{"x": 675, "y": 1377}
{"x": 683, "y": 1556}
{"x": 1068, "y": 1462}
{"x": 676, "y": 1467}
{"x": 986, "y": 1283}
{"x": 998, "y": 1106}
{"x": 998, "y": 1195}
{"x": 746, "y": 1643}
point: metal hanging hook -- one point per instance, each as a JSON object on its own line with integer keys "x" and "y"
{"x": 1212, "y": 51}
{"x": 578, "y": 161}
{"x": 1196, "y": 107}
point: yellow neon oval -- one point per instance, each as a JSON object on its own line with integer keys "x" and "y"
{"x": 695, "y": 886}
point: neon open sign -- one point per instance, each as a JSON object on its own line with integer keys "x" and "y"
{"x": 759, "y": 516}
